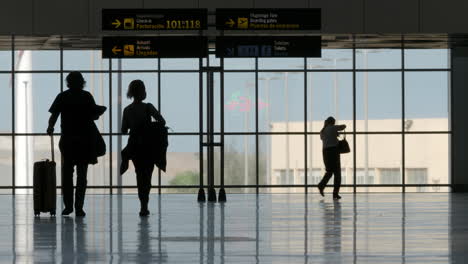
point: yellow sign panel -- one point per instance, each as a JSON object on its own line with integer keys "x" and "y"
{"x": 242, "y": 22}
{"x": 129, "y": 23}
{"x": 129, "y": 50}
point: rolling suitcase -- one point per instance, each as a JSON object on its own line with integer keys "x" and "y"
{"x": 44, "y": 185}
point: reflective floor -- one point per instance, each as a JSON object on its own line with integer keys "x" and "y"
{"x": 280, "y": 228}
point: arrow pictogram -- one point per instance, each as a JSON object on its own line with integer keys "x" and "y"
{"x": 116, "y": 50}
{"x": 230, "y": 23}
{"x": 116, "y": 23}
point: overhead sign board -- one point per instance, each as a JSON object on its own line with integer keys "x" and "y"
{"x": 154, "y": 19}
{"x": 154, "y": 47}
{"x": 268, "y": 19}
{"x": 277, "y": 46}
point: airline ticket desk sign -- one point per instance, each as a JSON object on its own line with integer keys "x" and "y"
{"x": 154, "y": 19}
{"x": 154, "y": 47}
{"x": 268, "y": 19}
{"x": 268, "y": 46}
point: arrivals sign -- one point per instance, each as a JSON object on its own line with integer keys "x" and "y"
{"x": 154, "y": 47}
{"x": 268, "y": 46}
{"x": 268, "y": 19}
{"x": 154, "y": 19}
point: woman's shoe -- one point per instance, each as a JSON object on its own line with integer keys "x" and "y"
{"x": 144, "y": 213}
{"x": 336, "y": 197}
{"x": 321, "y": 188}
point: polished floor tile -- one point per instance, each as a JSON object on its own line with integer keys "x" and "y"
{"x": 279, "y": 228}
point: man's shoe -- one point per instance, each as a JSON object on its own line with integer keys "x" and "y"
{"x": 67, "y": 211}
{"x": 80, "y": 213}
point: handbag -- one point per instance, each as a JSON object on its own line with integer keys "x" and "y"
{"x": 99, "y": 143}
{"x": 343, "y": 145}
{"x": 157, "y": 140}
{"x": 98, "y": 140}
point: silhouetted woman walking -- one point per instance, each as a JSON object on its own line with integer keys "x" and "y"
{"x": 80, "y": 142}
{"x": 331, "y": 156}
{"x": 137, "y": 118}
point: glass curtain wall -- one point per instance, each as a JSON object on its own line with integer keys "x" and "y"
{"x": 395, "y": 102}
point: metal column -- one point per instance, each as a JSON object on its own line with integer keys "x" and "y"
{"x": 210, "y": 141}
{"x": 210, "y": 135}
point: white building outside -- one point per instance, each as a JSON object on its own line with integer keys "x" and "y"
{"x": 426, "y": 162}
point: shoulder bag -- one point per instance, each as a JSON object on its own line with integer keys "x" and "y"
{"x": 343, "y": 145}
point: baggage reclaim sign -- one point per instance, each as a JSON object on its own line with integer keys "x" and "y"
{"x": 154, "y": 19}
{"x": 154, "y": 47}
{"x": 278, "y": 46}
{"x": 268, "y": 19}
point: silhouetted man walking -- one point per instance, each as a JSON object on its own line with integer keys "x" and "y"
{"x": 80, "y": 142}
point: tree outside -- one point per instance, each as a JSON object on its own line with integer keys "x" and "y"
{"x": 234, "y": 170}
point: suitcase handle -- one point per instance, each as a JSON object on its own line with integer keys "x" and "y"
{"x": 52, "y": 147}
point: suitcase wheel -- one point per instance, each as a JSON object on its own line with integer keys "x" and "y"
{"x": 52, "y": 213}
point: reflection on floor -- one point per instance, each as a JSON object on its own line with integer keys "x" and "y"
{"x": 280, "y": 228}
